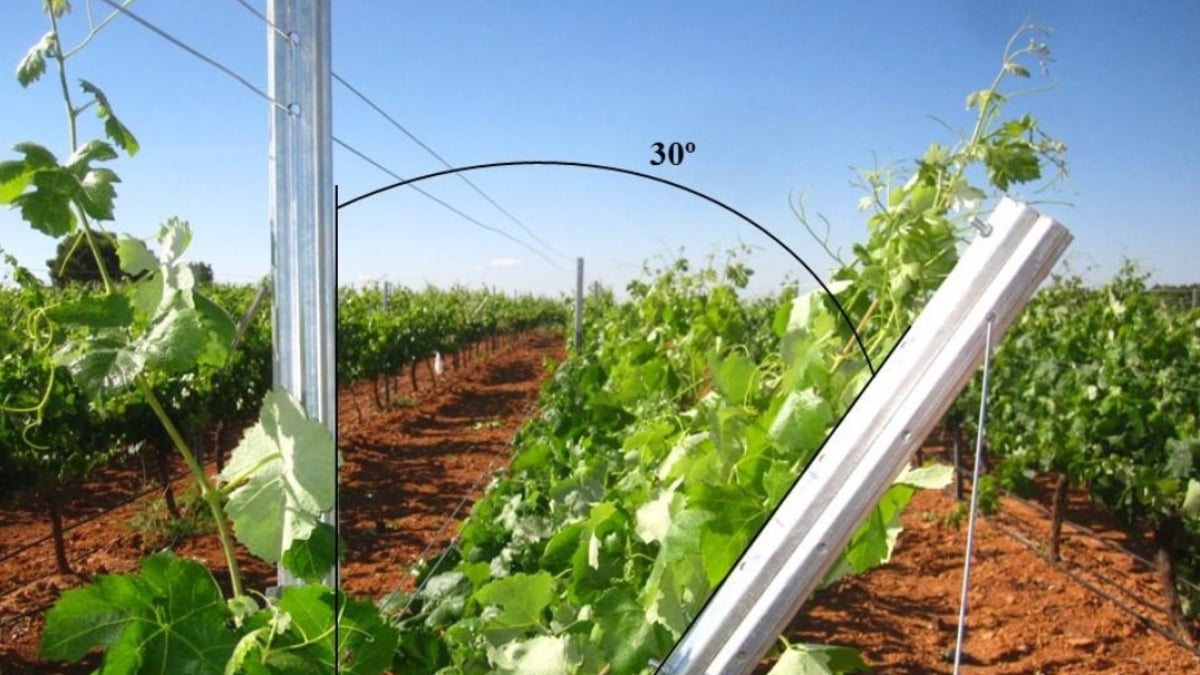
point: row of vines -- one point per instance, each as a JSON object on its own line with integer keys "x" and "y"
{"x": 383, "y": 330}
{"x": 1099, "y": 387}
{"x": 664, "y": 444}
{"x": 661, "y": 447}
{"x": 84, "y": 363}
{"x": 53, "y": 435}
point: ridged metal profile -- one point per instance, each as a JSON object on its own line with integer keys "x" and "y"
{"x": 996, "y": 275}
{"x": 303, "y": 240}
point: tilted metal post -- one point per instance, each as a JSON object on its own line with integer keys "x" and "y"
{"x": 995, "y": 277}
{"x": 303, "y": 247}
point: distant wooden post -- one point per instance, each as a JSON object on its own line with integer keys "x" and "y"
{"x": 578, "y": 304}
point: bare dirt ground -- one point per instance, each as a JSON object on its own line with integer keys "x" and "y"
{"x": 413, "y": 470}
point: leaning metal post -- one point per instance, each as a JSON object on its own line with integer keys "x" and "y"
{"x": 302, "y": 227}
{"x": 995, "y": 277}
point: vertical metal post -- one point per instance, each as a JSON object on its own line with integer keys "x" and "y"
{"x": 302, "y": 226}
{"x": 578, "y": 304}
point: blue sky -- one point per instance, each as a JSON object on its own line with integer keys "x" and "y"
{"x": 780, "y": 98}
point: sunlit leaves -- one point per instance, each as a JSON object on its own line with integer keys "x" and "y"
{"x": 107, "y": 311}
{"x": 33, "y": 65}
{"x": 803, "y": 659}
{"x": 116, "y": 131}
{"x": 135, "y": 256}
{"x": 1191, "y": 501}
{"x": 284, "y": 473}
{"x": 48, "y": 207}
{"x": 313, "y": 557}
{"x": 169, "y": 619}
{"x": 515, "y": 604}
{"x": 301, "y": 633}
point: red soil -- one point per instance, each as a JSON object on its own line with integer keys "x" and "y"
{"x": 413, "y": 470}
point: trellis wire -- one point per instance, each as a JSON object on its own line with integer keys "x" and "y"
{"x": 966, "y": 584}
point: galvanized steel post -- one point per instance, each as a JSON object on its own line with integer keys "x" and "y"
{"x": 303, "y": 246}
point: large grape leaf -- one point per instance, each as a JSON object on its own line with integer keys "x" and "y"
{"x": 872, "y": 544}
{"x": 541, "y": 655}
{"x": 170, "y": 619}
{"x": 625, "y": 634}
{"x": 297, "y": 636}
{"x": 286, "y": 468}
{"x": 311, "y": 558}
{"x": 800, "y": 659}
{"x": 516, "y": 604}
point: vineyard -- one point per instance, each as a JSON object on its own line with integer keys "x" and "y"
{"x": 513, "y": 502}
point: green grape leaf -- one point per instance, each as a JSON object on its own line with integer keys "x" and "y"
{"x": 102, "y": 364}
{"x": 735, "y": 377}
{"x": 173, "y": 238}
{"x": 15, "y": 176}
{"x": 303, "y": 621}
{"x": 48, "y": 207}
{"x": 678, "y": 573}
{"x": 803, "y": 421}
{"x": 250, "y": 645}
{"x": 517, "y": 603}
{"x": 653, "y": 519}
{"x": 625, "y": 634}
{"x": 285, "y": 468}
{"x": 219, "y": 326}
{"x": 97, "y": 194}
{"x": 541, "y": 655}
{"x": 312, "y": 558}
{"x": 104, "y": 311}
{"x": 33, "y": 66}
{"x": 174, "y": 343}
{"x": 1011, "y": 161}
{"x": 113, "y": 128}
{"x": 93, "y": 150}
{"x": 136, "y": 257}
{"x": 366, "y": 642}
{"x": 146, "y": 296}
{"x": 931, "y": 477}
{"x": 36, "y": 156}
{"x": 1191, "y": 501}
{"x": 310, "y": 613}
{"x": 802, "y": 659}
{"x": 171, "y": 618}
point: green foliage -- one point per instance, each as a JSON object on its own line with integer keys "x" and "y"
{"x": 144, "y": 344}
{"x": 381, "y": 330}
{"x": 171, "y": 618}
{"x": 280, "y": 479}
{"x": 1099, "y": 384}
{"x": 662, "y": 448}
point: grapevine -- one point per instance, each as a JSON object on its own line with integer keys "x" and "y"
{"x": 149, "y": 332}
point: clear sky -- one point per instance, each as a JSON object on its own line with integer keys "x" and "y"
{"x": 780, "y": 98}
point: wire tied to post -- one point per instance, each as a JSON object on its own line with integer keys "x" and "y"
{"x": 979, "y": 437}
